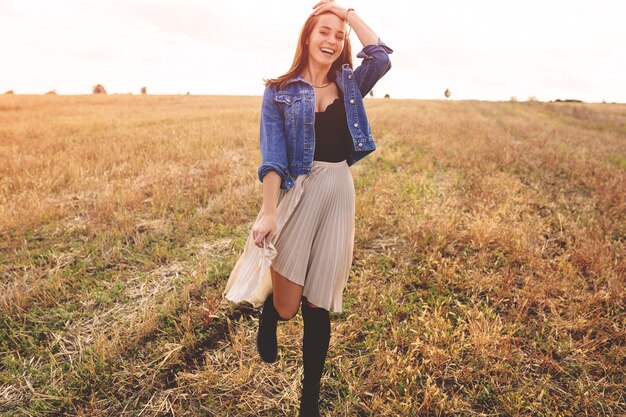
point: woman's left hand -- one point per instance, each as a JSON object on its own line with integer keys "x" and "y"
{"x": 330, "y": 6}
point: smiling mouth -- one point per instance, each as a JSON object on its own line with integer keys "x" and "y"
{"x": 327, "y": 51}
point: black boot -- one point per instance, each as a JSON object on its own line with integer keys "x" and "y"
{"x": 266, "y": 342}
{"x": 314, "y": 348}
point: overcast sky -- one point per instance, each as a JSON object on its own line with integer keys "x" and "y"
{"x": 483, "y": 49}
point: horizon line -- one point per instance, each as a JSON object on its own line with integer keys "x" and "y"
{"x": 368, "y": 97}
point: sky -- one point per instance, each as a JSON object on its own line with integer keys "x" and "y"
{"x": 482, "y": 49}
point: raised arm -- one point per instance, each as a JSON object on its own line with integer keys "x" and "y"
{"x": 375, "y": 53}
{"x": 366, "y": 35}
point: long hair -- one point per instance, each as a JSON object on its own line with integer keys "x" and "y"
{"x": 301, "y": 57}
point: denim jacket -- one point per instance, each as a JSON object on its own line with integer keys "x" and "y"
{"x": 288, "y": 117}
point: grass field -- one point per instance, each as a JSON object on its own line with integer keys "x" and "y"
{"x": 488, "y": 275}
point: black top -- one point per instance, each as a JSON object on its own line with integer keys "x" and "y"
{"x": 332, "y": 137}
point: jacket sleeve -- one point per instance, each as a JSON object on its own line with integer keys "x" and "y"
{"x": 375, "y": 64}
{"x": 273, "y": 141}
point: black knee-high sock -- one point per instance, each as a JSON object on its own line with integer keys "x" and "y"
{"x": 314, "y": 348}
{"x": 267, "y": 345}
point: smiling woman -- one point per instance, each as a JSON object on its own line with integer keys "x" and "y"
{"x": 299, "y": 250}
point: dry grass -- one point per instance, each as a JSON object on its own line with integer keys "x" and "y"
{"x": 488, "y": 278}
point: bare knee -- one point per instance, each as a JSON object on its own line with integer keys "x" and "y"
{"x": 285, "y": 311}
{"x": 286, "y": 296}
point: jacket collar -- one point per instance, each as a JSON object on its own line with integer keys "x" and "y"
{"x": 295, "y": 79}
{"x": 298, "y": 78}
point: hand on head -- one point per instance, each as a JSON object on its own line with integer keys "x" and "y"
{"x": 330, "y": 6}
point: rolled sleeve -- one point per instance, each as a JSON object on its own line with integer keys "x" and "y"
{"x": 375, "y": 64}
{"x": 286, "y": 181}
{"x": 273, "y": 142}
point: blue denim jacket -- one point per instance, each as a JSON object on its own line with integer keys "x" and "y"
{"x": 288, "y": 117}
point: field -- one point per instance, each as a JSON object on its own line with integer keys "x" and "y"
{"x": 488, "y": 275}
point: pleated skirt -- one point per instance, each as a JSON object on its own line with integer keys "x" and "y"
{"x": 313, "y": 245}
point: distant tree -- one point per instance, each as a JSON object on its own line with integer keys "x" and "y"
{"x": 51, "y": 93}
{"x": 387, "y": 96}
{"x": 371, "y": 93}
{"x": 144, "y": 90}
{"x": 513, "y": 98}
{"x": 187, "y": 92}
{"x": 447, "y": 93}
{"x": 532, "y": 98}
{"x": 98, "y": 89}
{"x": 9, "y": 92}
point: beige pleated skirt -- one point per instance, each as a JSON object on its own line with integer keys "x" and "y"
{"x": 313, "y": 245}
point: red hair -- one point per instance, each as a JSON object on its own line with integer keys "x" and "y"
{"x": 301, "y": 57}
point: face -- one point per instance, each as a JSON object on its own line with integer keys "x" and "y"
{"x": 326, "y": 40}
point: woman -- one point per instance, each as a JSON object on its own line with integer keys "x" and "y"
{"x": 313, "y": 128}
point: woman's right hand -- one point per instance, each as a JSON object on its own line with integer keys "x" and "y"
{"x": 264, "y": 229}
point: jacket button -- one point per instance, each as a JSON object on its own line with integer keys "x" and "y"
{"x": 360, "y": 145}
{"x": 351, "y": 101}
{"x": 356, "y": 125}
{"x": 350, "y": 76}
{"x": 288, "y": 100}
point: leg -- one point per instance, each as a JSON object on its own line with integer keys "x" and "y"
{"x": 281, "y": 305}
{"x": 314, "y": 349}
{"x": 310, "y": 304}
{"x": 287, "y": 295}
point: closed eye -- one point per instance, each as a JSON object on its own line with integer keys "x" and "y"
{"x": 324, "y": 30}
